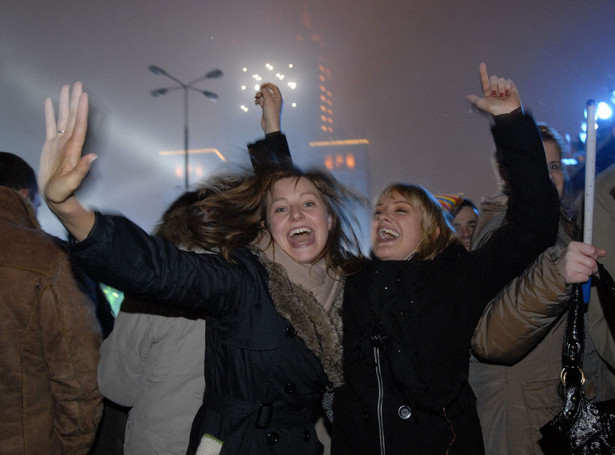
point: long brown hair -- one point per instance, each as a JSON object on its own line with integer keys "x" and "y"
{"x": 437, "y": 232}
{"x": 234, "y": 212}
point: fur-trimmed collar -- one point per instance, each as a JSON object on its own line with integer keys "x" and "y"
{"x": 320, "y": 330}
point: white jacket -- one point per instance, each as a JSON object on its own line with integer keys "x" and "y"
{"x": 154, "y": 364}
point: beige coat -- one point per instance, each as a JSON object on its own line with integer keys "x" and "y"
{"x": 49, "y": 340}
{"x": 522, "y": 331}
{"x": 603, "y": 237}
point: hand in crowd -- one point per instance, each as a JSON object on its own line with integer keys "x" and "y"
{"x": 578, "y": 262}
{"x": 500, "y": 96}
{"x": 62, "y": 168}
{"x": 270, "y": 100}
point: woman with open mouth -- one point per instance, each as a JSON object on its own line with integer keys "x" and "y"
{"x": 273, "y": 294}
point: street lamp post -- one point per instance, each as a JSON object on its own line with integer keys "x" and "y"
{"x": 213, "y": 74}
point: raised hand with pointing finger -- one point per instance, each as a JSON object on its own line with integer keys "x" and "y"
{"x": 500, "y": 96}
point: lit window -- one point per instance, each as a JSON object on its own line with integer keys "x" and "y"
{"x": 350, "y": 162}
{"x": 329, "y": 162}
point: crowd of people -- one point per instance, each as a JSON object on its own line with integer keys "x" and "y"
{"x": 253, "y": 324}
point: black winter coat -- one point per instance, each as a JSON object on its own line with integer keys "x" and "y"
{"x": 262, "y": 381}
{"x": 408, "y": 324}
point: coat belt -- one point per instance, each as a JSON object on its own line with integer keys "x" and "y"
{"x": 265, "y": 414}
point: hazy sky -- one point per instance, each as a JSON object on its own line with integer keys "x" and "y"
{"x": 399, "y": 72}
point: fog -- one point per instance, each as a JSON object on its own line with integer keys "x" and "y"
{"x": 396, "y": 73}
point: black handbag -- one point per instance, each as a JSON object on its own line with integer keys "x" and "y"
{"x": 581, "y": 427}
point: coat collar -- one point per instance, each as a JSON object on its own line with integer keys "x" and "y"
{"x": 15, "y": 209}
{"x": 320, "y": 330}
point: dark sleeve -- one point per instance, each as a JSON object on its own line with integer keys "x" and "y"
{"x": 270, "y": 152}
{"x": 119, "y": 253}
{"x": 533, "y": 205}
{"x": 533, "y": 211}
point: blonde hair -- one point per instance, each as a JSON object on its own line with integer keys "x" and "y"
{"x": 436, "y": 230}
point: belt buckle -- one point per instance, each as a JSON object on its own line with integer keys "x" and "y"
{"x": 263, "y": 415}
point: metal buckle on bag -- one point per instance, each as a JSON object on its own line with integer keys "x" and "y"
{"x": 578, "y": 377}
{"x": 263, "y": 415}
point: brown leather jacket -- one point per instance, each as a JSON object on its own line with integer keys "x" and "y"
{"x": 49, "y": 340}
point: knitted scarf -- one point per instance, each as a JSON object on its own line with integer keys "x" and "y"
{"x": 310, "y": 299}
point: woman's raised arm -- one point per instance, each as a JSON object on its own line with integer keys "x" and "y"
{"x": 62, "y": 168}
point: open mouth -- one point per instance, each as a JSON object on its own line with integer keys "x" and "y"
{"x": 387, "y": 234}
{"x": 301, "y": 236}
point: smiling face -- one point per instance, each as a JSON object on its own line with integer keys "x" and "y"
{"x": 464, "y": 224}
{"x": 396, "y": 230}
{"x": 297, "y": 218}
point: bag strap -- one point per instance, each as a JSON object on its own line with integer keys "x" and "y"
{"x": 605, "y": 287}
{"x": 574, "y": 341}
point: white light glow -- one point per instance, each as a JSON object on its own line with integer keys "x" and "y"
{"x": 604, "y": 111}
{"x": 269, "y": 66}
{"x": 290, "y": 65}
{"x": 294, "y": 105}
{"x": 245, "y": 70}
{"x": 243, "y": 87}
{"x": 292, "y": 85}
{"x": 257, "y": 87}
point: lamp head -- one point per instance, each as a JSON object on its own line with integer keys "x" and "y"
{"x": 214, "y": 74}
{"x": 158, "y": 92}
{"x": 156, "y": 69}
{"x": 210, "y": 95}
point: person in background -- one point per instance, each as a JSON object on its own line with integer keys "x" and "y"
{"x": 604, "y": 237}
{"x": 517, "y": 343}
{"x": 153, "y": 360}
{"x": 50, "y": 336}
{"x": 464, "y": 221}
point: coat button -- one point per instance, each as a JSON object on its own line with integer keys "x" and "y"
{"x": 306, "y": 436}
{"x": 290, "y": 388}
{"x": 404, "y": 412}
{"x": 273, "y": 438}
{"x": 290, "y": 331}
